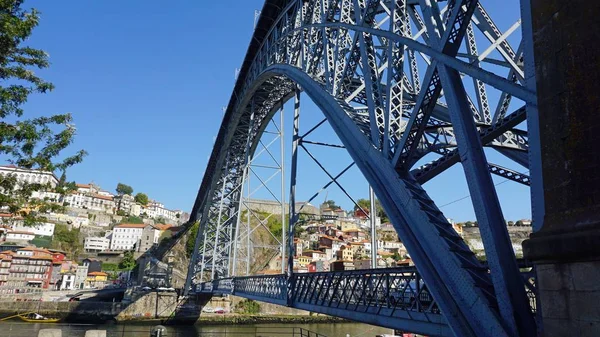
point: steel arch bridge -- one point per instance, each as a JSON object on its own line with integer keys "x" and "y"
{"x": 397, "y": 80}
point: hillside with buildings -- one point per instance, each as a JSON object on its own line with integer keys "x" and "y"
{"x": 112, "y": 230}
{"x": 101, "y": 237}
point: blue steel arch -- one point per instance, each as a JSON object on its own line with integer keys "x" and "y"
{"x": 395, "y": 197}
{"x": 473, "y": 303}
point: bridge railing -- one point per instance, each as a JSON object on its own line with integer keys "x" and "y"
{"x": 390, "y": 288}
{"x": 386, "y": 291}
{"x": 272, "y": 288}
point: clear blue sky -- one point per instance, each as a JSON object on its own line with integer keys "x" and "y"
{"x": 146, "y": 82}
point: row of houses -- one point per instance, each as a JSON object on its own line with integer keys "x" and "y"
{"x": 127, "y": 237}
{"x": 90, "y": 196}
{"x": 32, "y": 267}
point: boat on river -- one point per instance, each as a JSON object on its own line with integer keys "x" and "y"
{"x": 33, "y": 317}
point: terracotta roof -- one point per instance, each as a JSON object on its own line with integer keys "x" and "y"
{"x": 36, "y": 249}
{"x": 163, "y": 227}
{"x": 41, "y": 257}
{"x": 104, "y": 197}
{"x": 9, "y": 166}
{"x": 97, "y": 273}
{"x": 331, "y": 238}
{"x": 131, "y": 225}
{"x": 83, "y": 185}
{"x": 352, "y": 230}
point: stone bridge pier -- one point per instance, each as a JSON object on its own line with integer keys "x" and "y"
{"x": 565, "y": 244}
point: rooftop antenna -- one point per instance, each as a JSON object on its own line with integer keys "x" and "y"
{"x": 256, "y": 16}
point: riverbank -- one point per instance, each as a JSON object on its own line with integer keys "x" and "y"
{"x": 100, "y": 312}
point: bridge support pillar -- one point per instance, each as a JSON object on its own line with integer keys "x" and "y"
{"x": 565, "y": 245}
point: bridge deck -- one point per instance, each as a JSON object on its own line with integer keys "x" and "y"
{"x": 392, "y": 297}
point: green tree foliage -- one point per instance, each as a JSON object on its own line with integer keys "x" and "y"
{"x": 365, "y": 204}
{"x": 123, "y": 189}
{"x": 298, "y": 231}
{"x": 121, "y": 213}
{"x": 331, "y": 204}
{"x": 41, "y": 241}
{"x": 132, "y": 219}
{"x": 128, "y": 262}
{"x": 142, "y": 198}
{"x": 109, "y": 267}
{"x": 191, "y": 239}
{"x": 165, "y": 235}
{"x": 247, "y": 307}
{"x": 67, "y": 240}
{"x": 32, "y": 143}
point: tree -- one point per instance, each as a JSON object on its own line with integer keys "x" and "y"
{"x": 191, "y": 239}
{"x": 142, "y": 198}
{"x": 66, "y": 239}
{"x": 331, "y": 204}
{"x": 365, "y": 204}
{"x": 132, "y": 219}
{"x": 247, "y": 307}
{"x": 30, "y": 143}
{"x": 128, "y": 262}
{"x": 123, "y": 189}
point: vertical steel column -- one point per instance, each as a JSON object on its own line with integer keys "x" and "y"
{"x": 219, "y": 220}
{"x": 533, "y": 121}
{"x": 372, "y": 220}
{"x": 202, "y": 227}
{"x": 282, "y": 171}
{"x": 293, "y": 217}
{"x": 249, "y": 226}
{"x": 238, "y": 222}
{"x": 194, "y": 259}
{"x": 245, "y": 176}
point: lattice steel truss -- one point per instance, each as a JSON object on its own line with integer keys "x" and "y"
{"x": 391, "y": 77}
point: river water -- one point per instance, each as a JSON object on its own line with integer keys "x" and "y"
{"x": 21, "y": 329}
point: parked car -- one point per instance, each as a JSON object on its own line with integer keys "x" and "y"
{"x": 146, "y": 288}
{"x": 208, "y": 310}
{"x": 219, "y": 311}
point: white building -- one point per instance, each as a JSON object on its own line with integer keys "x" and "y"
{"x": 46, "y": 195}
{"x": 96, "y": 244}
{"x": 80, "y": 276}
{"x": 155, "y": 209}
{"x": 90, "y": 196}
{"x": 19, "y": 236}
{"x": 126, "y": 236}
{"x": 151, "y": 236}
{"x": 45, "y": 229}
{"x": 68, "y": 281}
{"x": 28, "y": 175}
